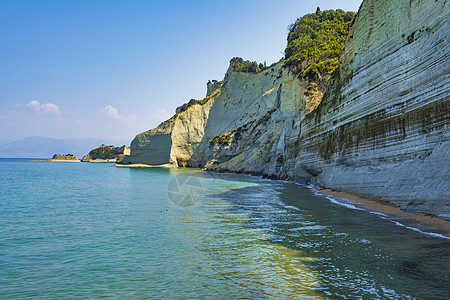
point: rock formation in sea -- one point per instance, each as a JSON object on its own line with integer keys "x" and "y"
{"x": 379, "y": 128}
{"x": 106, "y": 154}
{"x": 66, "y": 157}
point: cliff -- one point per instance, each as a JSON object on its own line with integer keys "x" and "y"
{"x": 106, "y": 154}
{"x": 379, "y": 129}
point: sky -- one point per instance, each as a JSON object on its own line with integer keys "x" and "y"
{"x": 112, "y": 69}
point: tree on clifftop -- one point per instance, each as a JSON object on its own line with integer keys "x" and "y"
{"x": 315, "y": 42}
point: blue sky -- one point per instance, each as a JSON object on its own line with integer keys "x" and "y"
{"x": 112, "y": 69}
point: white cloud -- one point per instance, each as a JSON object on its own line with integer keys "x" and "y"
{"x": 49, "y": 108}
{"x": 113, "y": 112}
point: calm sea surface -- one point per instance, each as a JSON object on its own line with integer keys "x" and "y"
{"x": 86, "y": 230}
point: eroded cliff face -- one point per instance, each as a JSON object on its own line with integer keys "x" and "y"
{"x": 184, "y": 139}
{"x": 380, "y": 130}
{"x": 384, "y": 129}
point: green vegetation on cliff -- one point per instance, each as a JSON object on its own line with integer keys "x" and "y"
{"x": 223, "y": 139}
{"x": 315, "y": 42}
{"x": 238, "y": 64}
{"x": 191, "y": 102}
{"x": 64, "y": 157}
{"x": 106, "y": 152}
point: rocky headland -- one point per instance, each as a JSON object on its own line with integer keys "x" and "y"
{"x": 106, "y": 154}
{"x": 64, "y": 158}
{"x": 373, "y": 121}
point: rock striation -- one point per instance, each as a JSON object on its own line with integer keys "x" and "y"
{"x": 381, "y": 128}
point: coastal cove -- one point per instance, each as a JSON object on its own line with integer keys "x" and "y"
{"x": 91, "y": 230}
{"x": 319, "y": 173}
{"x": 371, "y": 120}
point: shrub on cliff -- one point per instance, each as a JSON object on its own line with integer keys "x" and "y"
{"x": 246, "y": 66}
{"x": 315, "y": 42}
{"x": 106, "y": 152}
{"x": 221, "y": 139}
{"x": 224, "y": 139}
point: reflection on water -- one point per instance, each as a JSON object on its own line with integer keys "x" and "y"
{"x": 240, "y": 256}
{"x": 343, "y": 252}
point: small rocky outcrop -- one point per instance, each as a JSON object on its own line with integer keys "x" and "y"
{"x": 106, "y": 154}
{"x": 212, "y": 86}
{"x": 67, "y": 157}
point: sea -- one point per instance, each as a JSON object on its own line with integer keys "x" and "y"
{"x": 91, "y": 230}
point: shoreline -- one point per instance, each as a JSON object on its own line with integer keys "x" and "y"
{"x": 434, "y": 224}
{"x": 425, "y": 223}
{"x": 167, "y": 166}
{"x": 100, "y": 160}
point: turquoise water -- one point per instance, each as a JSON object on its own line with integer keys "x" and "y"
{"x": 86, "y": 230}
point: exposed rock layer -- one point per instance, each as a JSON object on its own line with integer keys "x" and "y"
{"x": 381, "y": 129}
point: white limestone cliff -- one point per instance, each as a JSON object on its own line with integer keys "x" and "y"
{"x": 381, "y": 129}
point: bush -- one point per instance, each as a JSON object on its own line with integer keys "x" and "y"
{"x": 106, "y": 152}
{"x": 224, "y": 139}
{"x": 315, "y": 42}
{"x": 240, "y": 65}
{"x": 221, "y": 139}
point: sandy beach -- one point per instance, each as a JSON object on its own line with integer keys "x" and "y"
{"x": 428, "y": 220}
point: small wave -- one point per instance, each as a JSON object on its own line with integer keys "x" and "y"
{"x": 340, "y": 201}
{"x": 291, "y": 207}
{"x": 303, "y": 228}
{"x": 377, "y": 213}
{"x": 347, "y": 203}
{"x": 433, "y": 234}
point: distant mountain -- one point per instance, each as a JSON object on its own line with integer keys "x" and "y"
{"x": 4, "y": 142}
{"x": 44, "y": 147}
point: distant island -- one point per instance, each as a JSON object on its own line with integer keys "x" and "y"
{"x": 39, "y": 146}
{"x": 106, "y": 154}
{"x": 64, "y": 158}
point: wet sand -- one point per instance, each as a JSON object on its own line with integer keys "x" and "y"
{"x": 427, "y": 220}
